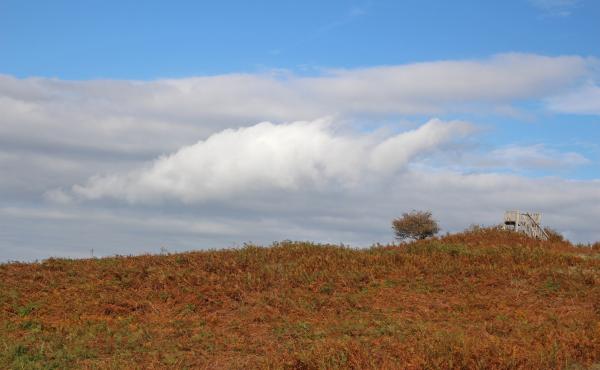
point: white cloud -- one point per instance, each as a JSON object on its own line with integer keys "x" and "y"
{"x": 584, "y": 100}
{"x": 152, "y": 117}
{"x": 58, "y": 196}
{"x": 264, "y": 157}
{"x": 536, "y": 157}
{"x": 447, "y": 85}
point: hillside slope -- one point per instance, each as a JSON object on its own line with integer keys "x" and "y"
{"x": 484, "y": 299}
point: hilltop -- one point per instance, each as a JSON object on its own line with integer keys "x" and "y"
{"x": 479, "y": 299}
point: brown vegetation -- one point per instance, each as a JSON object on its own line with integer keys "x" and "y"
{"x": 484, "y": 299}
{"x": 553, "y": 235}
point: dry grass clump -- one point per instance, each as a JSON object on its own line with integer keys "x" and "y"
{"x": 483, "y": 299}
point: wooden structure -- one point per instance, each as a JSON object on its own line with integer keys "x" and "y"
{"x": 525, "y": 222}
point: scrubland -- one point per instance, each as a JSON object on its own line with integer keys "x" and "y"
{"x": 484, "y": 299}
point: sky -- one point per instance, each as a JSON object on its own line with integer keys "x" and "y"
{"x": 135, "y": 127}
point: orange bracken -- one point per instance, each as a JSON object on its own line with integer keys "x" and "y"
{"x": 484, "y": 299}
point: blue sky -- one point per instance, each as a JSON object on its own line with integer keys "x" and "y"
{"x": 186, "y": 125}
{"x": 151, "y": 39}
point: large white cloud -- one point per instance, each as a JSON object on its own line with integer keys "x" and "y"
{"x": 151, "y": 117}
{"x": 448, "y": 85}
{"x": 291, "y": 156}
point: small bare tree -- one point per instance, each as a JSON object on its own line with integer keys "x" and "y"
{"x": 415, "y": 225}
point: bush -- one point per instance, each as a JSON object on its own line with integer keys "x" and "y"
{"x": 596, "y": 246}
{"x": 553, "y": 235}
{"x": 474, "y": 228}
{"x": 415, "y": 225}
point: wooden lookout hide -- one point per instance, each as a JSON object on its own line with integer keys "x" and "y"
{"x": 525, "y": 222}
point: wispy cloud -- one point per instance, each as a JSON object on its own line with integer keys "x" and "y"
{"x": 346, "y": 17}
{"x": 533, "y": 157}
{"x": 583, "y": 100}
{"x": 555, "y": 8}
{"x": 349, "y": 16}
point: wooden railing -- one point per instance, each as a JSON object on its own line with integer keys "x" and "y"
{"x": 535, "y": 229}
